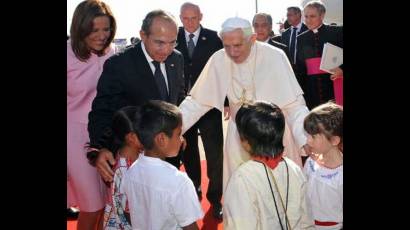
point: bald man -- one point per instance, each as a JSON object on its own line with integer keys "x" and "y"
{"x": 196, "y": 52}
{"x": 262, "y": 25}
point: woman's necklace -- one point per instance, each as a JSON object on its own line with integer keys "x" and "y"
{"x": 242, "y": 97}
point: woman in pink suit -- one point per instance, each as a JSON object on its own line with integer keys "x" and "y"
{"x": 92, "y": 31}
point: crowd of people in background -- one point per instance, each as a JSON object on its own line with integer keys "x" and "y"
{"x": 134, "y": 116}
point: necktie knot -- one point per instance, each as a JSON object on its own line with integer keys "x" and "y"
{"x": 191, "y": 36}
{"x": 156, "y": 64}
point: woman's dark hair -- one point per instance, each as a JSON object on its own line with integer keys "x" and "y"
{"x": 83, "y": 23}
{"x": 156, "y": 117}
{"x": 124, "y": 121}
{"x": 262, "y": 124}
{"x": 326, "y": 119}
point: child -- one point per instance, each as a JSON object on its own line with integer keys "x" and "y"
{"x": 267, "y": 191}
{"x": 324, "y": 168}
{"x": 126, "y": 147}
{"x": 160, "y": 196}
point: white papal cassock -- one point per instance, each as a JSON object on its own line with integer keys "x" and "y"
{"x": 265, "y": 75}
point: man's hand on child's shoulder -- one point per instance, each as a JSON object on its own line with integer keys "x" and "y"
{"x": 105, "y": 158}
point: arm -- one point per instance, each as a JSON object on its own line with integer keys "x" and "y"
{"x": 191, "y": 112}
{"x": 297, "y": 111}
{"x": 338, "y": 72}
{"x": 227, "y": 110}
{"x": 107, "y": 101}
{"x": 182, "y": 92}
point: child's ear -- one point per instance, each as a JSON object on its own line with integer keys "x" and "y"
{"x": 161, "y": 140}
{"x": 245, "y": 144}
{"x": 133, "y": 140}
{"x": 335, "y": 140}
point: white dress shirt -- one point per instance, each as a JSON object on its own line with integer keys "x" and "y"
{"x": 162, "y": 65}
{"x": 195, "y": 38}
{"x": 160, "y": 196}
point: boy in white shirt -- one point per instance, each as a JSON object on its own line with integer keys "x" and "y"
{"x": 160, "y": 196}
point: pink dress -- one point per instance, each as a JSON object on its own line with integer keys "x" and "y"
{"x": 85, "y": 186}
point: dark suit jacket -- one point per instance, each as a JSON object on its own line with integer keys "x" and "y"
{"x": 128, "y": 80}
{"x": 208, "y": 43}
{"x": 277, "y": 38}
{"x": 286, "y": 34}
{"x": 280, "y": 46}
{"x": 285, "y": 40}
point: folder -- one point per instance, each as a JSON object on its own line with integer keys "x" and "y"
{"x": 332, "y": 57}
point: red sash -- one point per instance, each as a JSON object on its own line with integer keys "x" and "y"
{"x": 325, "y": 223}
{"x": 312, "y": 65}
{"x": 338, "y": 90}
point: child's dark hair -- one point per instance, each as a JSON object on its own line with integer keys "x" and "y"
{"x": 326, "y": 119}
{"x": 124, "y": 121}
{"x": 262, "y": 124}
{"x": 156, "y": 117}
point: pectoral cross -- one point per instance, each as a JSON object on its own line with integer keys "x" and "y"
{"x": 242, "y": 99}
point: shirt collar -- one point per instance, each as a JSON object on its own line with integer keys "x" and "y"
{"x": 299, "y": 26}
{"x": 150, "y": 159}
{"x": 317, "y": 29}
{"x": 196, "y": 33}
{"x": 149, "y": 59}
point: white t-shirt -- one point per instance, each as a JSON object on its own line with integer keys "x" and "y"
{"x": 160, "y": 196}
{"x": 325, "y": 193}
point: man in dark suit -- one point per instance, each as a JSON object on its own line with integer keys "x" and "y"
{"x": 150, "y": 69}
{"x": 317, "y": 85}
{"x": 262, "y": 25}
{"x": 197, "y": 44}
{"x": 289, "y": 36}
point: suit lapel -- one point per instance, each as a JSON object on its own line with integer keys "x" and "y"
{"x": 286, "y": 36}
{"x": 143, "y": 68}
{"x": 303, "y": 29}
{"x": 202, "y": 40}
{"x": 182, "y": 44}
{"x": 171, "y": 77}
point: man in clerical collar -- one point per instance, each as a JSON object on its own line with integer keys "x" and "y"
{"x": 317, "y": 84}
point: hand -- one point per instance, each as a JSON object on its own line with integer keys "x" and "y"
{"x": 338, "y": 73}
{"x": 103, "y": 168}
{"x": 227, "y": 112}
